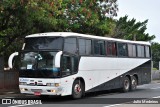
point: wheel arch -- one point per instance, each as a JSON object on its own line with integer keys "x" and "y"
{"x": 128, "y": 76}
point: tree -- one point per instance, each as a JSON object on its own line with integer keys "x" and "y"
{"x": 84, "y": 16}
{"x": 155, "y": 54}
{"x": 131, "y": 30}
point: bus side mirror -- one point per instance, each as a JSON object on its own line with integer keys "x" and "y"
{"x": 58, "y": 59}
{"x": 10, "y": 60}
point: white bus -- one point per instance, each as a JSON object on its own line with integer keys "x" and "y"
{"x": 65, "y": 63}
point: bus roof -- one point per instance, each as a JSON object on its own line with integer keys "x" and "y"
{"x": 68, "y": 34}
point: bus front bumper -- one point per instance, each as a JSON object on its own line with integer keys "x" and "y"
{"x": 41, "y": 90}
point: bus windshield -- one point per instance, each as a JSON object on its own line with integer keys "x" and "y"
{"x": 38, "y": 64}
{"x": 43, "y": 43}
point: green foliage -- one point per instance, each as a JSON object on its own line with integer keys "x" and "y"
{"x": 155, "y": 54}
{"x": 131, "y": 30}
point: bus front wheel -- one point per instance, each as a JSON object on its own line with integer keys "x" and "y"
{"x": 77, "y": 89}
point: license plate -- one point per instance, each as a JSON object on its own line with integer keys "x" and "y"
{"x": 37, "y": 93}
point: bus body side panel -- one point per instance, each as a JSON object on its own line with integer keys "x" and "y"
{"x": 143, "y": 72}
{"x": 100, "y": 70}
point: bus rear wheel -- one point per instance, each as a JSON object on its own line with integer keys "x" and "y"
{"x": 133, "y": 83}
{"x": 77, "y": 89}
{"x": 126, "y": 84}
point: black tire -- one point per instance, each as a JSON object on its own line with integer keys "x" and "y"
{"x": 134, "y": 83}
{"x": 77, "y": 89}
{"x": 126, "y": 85}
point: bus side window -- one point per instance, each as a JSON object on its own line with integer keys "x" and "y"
{"x": 147, "y": 50}
{"x": 69, "y": 65}
{"x": 70, "y": 45}
{"x": 74, "y": 64}
{"x": 140, "y": 51}
{"x": 99, "y": 47}
{"x": 122, "y": 49}
{"x": 111, "y": 49}
{"x": 66, "y": 65}
{"x": 131, "y": 50}
{"x": 84, "y": 46}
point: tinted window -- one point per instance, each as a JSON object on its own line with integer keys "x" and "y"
{"x": 70, "y": 45}
{"x": 131, "y": 50}
{"x": 69, "y": 65}
{"x": 84, "y": 47}
{"x": 143, "y": 51}
{"x": 147, "y": 51}
{"x": 99, "y": 47}
{"x": 88, "y": 47}
{"x": 111, "y": 48}
{"x": 122, "y": 49}
{"x": 38, "y": 43}
{"x": 140, "y": 51}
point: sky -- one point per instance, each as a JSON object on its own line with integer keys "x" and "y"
{"x": 142, "y": 10}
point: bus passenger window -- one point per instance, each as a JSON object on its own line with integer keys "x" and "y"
{"x": 84, "y": 47}
{"x": 131, "y": 50}
{"x": 122, "y": 49}
{"x": 99, "y": 47}
{"x": 88, "y": 47}
{"x": 147, "y": 51}
{"x": 111, "y": 49}
{"x": 69, "y": 65}
{"x": 70, "y": 45}
{"x": 140, "y": 51}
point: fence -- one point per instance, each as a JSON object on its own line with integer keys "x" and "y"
{"x": 8, "y": 79}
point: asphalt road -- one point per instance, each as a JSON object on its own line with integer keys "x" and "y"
{"x": 145, "y": 96}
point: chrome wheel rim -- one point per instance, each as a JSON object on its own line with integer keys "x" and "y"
{"x": 134, "y": 84}
{"x": 77, "y": 89}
